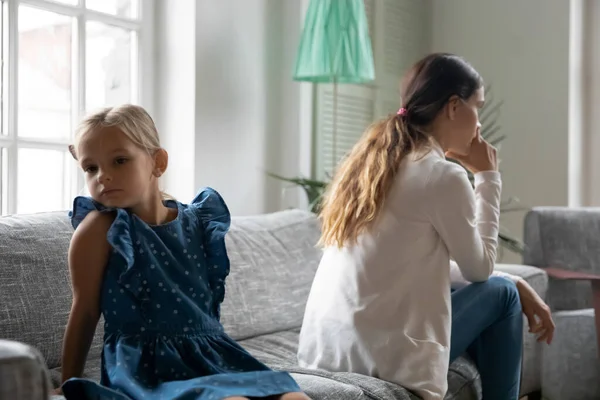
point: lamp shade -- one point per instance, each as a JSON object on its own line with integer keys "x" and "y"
{"x": 335, "y": 44}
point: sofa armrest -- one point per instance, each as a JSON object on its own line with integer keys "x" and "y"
{"x": 536, "y": 277}
{"x": 23, "y": 373}
{"x": 594, "y": 279}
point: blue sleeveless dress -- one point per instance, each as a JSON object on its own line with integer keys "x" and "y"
{"x": 161, "y": 298}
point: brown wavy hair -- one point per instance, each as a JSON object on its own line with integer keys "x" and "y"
{"x": 358, "y": 190}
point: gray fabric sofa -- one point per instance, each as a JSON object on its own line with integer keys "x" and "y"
{"x": 273, "y": 259}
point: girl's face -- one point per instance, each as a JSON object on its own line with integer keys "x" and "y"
{"x": 118, "y": 173}
{"x": 463, "y": 122}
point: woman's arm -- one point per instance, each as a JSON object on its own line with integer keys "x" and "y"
{"x": 468, "y": 220}
{"x": 539, "y": 315}
{"x": 88, "y": 256}
{"x": 458, "y": 280}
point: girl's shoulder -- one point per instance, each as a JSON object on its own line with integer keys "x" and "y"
{"x": 84, "y": 206}
{"x": 110, "y": 223}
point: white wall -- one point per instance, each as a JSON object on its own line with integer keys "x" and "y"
{"x": 229, "y": 111}
{"x": 226, "y": 106}
{"x": 247, "y": 106}
{"x": 522, "y": 49}
{"x": 175, "y": 100}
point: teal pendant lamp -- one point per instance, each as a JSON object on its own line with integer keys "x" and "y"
{"x": 335, "y": 47}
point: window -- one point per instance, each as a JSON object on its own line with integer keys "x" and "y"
{"x": 60, "y": 60}
{"x": 400, "y": 31}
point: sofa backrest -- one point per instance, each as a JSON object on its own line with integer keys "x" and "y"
{"x": 566, "y": 238}
{"x": 273, "y": 261}
{"x": 35, "y": 291}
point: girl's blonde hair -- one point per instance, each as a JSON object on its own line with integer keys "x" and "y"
{"x": 134, "y": 121}
{"x": 358, "y": 190}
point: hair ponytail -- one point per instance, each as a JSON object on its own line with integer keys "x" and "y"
{"x": 359, "y": 188}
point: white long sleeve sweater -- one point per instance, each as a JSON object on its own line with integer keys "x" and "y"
{"x": 382, "y": 307}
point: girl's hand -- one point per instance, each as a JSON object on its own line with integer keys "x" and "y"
{"x": 56, "y": 392}
{"x": 537, "y": 312}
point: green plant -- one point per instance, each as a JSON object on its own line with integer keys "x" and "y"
{"x": 490, "y": 130}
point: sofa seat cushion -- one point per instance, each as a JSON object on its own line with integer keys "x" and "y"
{"x": 92, "y": 371}
{"x": 278, "y": 350}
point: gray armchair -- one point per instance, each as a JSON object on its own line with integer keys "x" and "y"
{"x": 565, "y": 243}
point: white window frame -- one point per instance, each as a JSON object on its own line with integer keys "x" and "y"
{"x": 142, "y": 92}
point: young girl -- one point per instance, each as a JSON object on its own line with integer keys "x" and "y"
{"x": 395, "y": 214}
{"x": 156, "y": 270}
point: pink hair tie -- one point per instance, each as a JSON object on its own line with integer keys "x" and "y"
{"x": 402, "y": 111}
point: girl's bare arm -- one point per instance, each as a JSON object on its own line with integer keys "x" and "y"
{"x": 88, "y": 255}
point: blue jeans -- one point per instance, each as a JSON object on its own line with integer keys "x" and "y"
{"x": 487, "y": 324}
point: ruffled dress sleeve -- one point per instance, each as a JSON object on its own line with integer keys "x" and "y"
{"x": 82, "y": 206}
{"x": 119, "y": 237}
{"x": 214, "y": 215}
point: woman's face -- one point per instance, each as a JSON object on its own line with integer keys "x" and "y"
{"x": 463, "y": 122}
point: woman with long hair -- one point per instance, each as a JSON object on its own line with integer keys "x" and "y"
{"x": 401, "y": 226}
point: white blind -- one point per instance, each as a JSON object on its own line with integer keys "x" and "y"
{"x": 355, "y": 105}
{"x": 399, "y": 32}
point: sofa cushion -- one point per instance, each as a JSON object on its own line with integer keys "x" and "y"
{"x": 92, "y": 370}
{"x": 321, "y": 388}
{"x": 273, "y": 261}
{"x": 278, "y": 350}
{"x": 35, "y": 291}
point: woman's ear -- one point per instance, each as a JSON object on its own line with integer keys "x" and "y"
{"x": 452, "y": 107}
{"x": 161, "y": 161}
